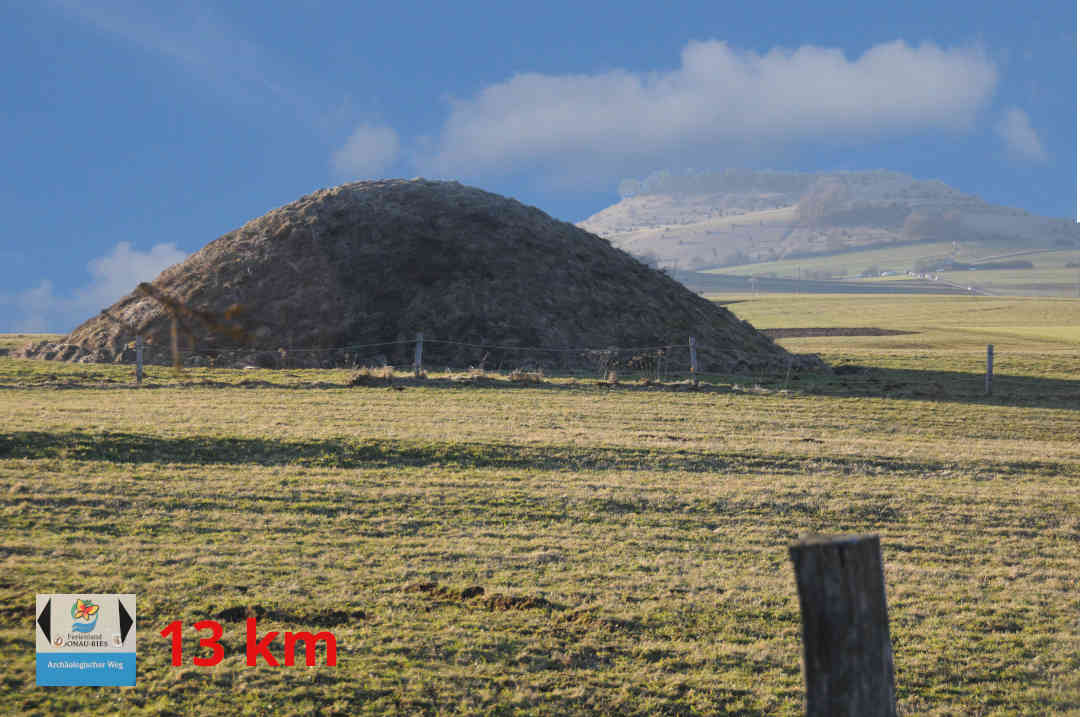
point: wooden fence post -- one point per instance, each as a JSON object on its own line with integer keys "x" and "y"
{"x": 693, "y": 359}
{"x": 174, "y": 338}
{"x": 418, "y": 357}
{"x": 138, "y": 359}
{"x": 847, "y": 655}
{"x": 989, "y": 368}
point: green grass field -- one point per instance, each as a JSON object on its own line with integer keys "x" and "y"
{"x": 1049, "y": 277}
{"x": 947, "y": 325}
{"x": 630, "y": 541}
{"x": 847, "y": 264}
{"x": 1040, "y": 281}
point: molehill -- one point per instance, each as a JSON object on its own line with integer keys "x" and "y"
{"x": 335, "y": 274}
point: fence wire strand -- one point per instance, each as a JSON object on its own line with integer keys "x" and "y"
{"x": 660, "y": 362}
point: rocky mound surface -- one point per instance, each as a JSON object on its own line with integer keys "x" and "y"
{"x": 335, "y": 274}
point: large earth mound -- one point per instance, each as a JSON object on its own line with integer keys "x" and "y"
{"x": 332, "y": 276}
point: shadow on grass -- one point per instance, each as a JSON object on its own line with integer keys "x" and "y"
{"x": 368, "y": 453}
{"x": 949, "y": 386}
{"x": 633, "y": 382}
{"x": 846, "y": 380}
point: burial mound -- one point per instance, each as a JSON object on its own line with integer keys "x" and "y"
{"x": 352, "y": 273}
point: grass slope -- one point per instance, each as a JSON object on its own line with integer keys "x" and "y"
{"x": 630, "y": 541}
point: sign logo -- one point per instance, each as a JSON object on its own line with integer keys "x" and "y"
{"x": 85, "y": 640}
{"x": 84, "y": 610}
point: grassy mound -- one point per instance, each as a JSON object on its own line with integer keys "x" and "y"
{"x": 357, "y": 270}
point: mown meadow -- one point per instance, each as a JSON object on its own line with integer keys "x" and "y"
{"x": 483, "y": 546}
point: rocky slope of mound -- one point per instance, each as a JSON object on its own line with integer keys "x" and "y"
{"x": 340, "y": 271}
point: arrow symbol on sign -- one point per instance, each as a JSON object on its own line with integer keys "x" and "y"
{"x": 44, "y": 620}
{"x": 125, "y": 621}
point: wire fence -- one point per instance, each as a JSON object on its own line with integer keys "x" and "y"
{"x": 195, "y": 332}
{"x": 657, "y": 362}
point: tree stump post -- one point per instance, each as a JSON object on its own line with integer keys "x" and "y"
{"x": 847, "y": 654}
{"x": 989, "y": 369}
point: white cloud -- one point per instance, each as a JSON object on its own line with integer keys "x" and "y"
{"x": 718, "y": 97}
{"x": 121, "y": 270}
{"x": 1019, "y": 136}
{"x": 112, "y": 276}
{"x": 369, "y": 151}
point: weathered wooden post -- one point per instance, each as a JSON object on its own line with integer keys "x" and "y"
{"x": 138, "y": 359}
{"x": 418, "y": 357}
{"x": 174, "y": 339}
{"x": 989, "y": 368}
{"x": 693, "y": 359}
{"x": 847, "y": 655}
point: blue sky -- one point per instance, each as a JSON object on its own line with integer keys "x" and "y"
{"x": 136, "y": 132}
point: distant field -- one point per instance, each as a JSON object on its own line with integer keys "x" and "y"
{"x": 848, "y": 264}
{"x": 905, "y": 312}
{"x": 1049, "y": 277}
{"x": 1048, "y": 281}
{"x": 943, "y": 326}
{"x": 1057, "y": 334}
{"x": 16, "y": 341}
{"x": 721, "y": 284}
{"x": 1055, "y": 259}
{"x": 903, "y": 258}
{"x": 631, "y": 542}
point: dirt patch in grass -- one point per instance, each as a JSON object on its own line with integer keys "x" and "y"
{"x": 322, "y": 618}
{"x": 592, "y": 620}
{"x": 799, "y": 333}
{"x": 498, "y": 601}
{"x": 434, "y": 590}
{"x": 476, "y": 595}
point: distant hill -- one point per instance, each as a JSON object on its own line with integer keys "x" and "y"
{"x": 736, "y": 217}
